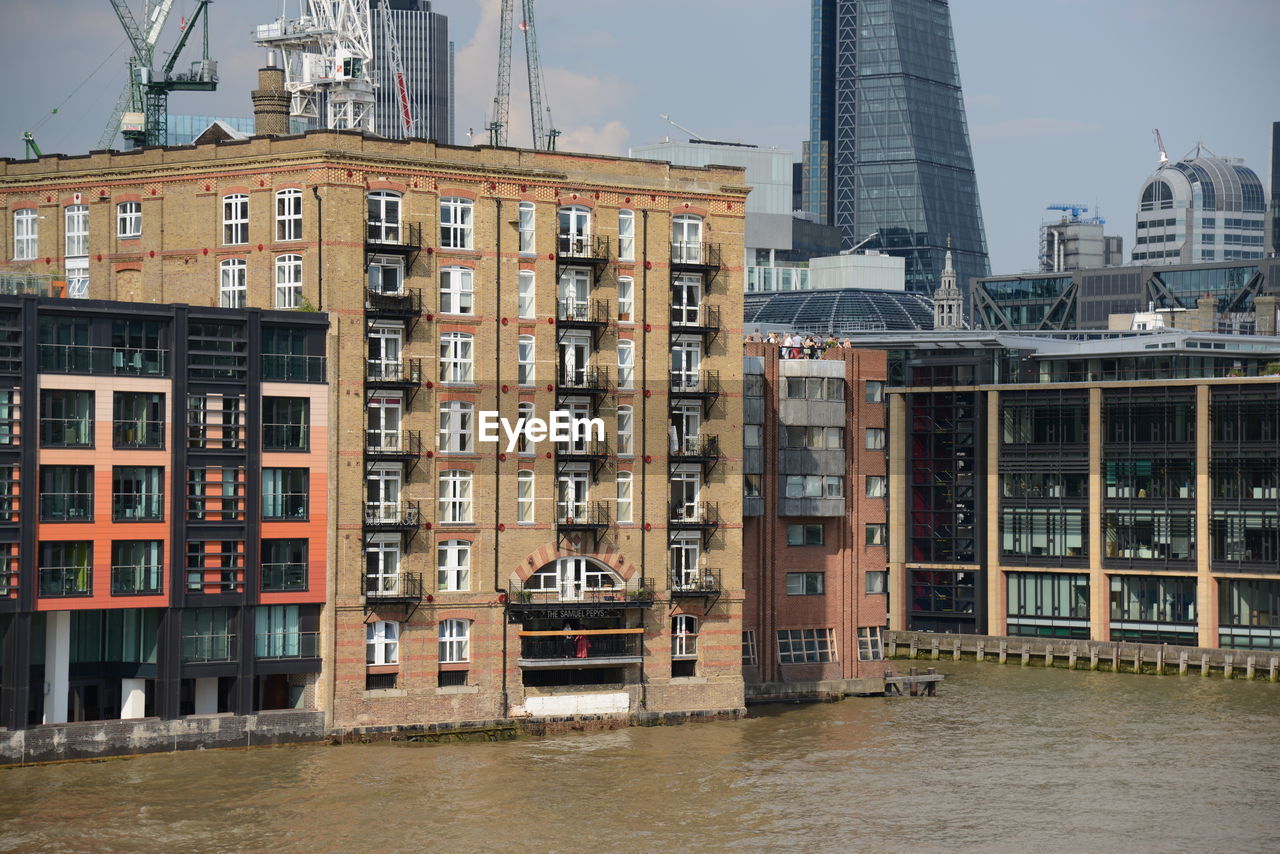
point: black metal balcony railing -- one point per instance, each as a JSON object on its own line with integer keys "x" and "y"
{"x": 393, "y": 443}
{"x": 291, "y": 368}
{"x": 695, "y": 253}
{"x": 66, "y": 506}
{"x": 695, "y": 382}
{"x": 116, "y": 361}
{"x": 66, "y": 581}
{"x": 403, "y": 372}
{"x": 137, "y": 507}
{"x": 406, "y": 302}
{"x": 587, "y": 380}
{"x": 582, "y": 312}
{"x": 401, "y": 587}
{"x": 582, "y": 515}
{"x": 695, "y": 318}
{"x": 634, "y": 593}
{"x": 585, "y": 448}
{"x": 392, "y": 235}
{"x": 285, "y": 437}
{"x": 593, "y": 248}
{"x": 695, "y": 580}
{"x": 285, "y": 645}
{"x": 133, "y": 434}
{"x": 203, "y": 649}
{"x": 283, "y": 577}
{"x": 695, "y": 513}
{"x": 285, "y": 506}
{"x": 575, "y": 646}
{"x": 391, "y": 514}
{"x": 8, "y": 583}
{"x": 135, "y": 580}
{"x": 66, "y": 432}
{"x": 703, "y": 447}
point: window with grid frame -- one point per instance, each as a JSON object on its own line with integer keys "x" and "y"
{"x": 457, "y": 290}
{"x": 523, "y": 444}
{"x": 525, "y": 298}
{"x": 624, "y": 497}
{"x": 749, "y": 656}
{"x": 129, "y": 220}
{"x": 625, "y": 431}
{"x": 805, "y": 584}
{"x": 288, "y": 281}
{"x": 232, "y": 283}
{"x": 626, "y": 236}
{"x": 26, "y": 223}
{"x": 626, "y": 364}
{"x": 289, "y": 214}
{"x": 456, "y": 357}
{"x": 456, "y": 223}
{"x": 626, "y": 299}
{"x": 524, "y": 496}
{"x": 455, "y": 641}
{"x": 684, "y": 636}
{"x": 457, "y": 427}
{"x": 453, "y": 566}
{"x": 382, "y": 643}
{"x": 526, "y": 364}
{"x": 805, "y": 646}
{"x": 77, "y": 230}
{"x": 870, "y": 647}
{"x": 877, "y": 486}
{"x": 235, "y": 219}
{"x": 528, "y": 245}
{"x": 455, "y": 496}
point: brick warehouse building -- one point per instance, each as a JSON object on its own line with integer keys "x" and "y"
{"x": 814, "y": 533}
{"x": 467, "y": 582}
{"x": 161, "y": 557}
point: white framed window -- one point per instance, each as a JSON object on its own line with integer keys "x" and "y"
{"x": 382, "y": 565}
{"x": 626, "y": 237}
{"x": 686, "y": 239}
{"x": 575, "y": 230}
{"x": 232, "y": 278}
{"x": 386, "y": 349}
{"x": 453, "y": 566}
{"x": 78, "y": 278}
{"x": 382, "y": 486}
{"x": 686, "y": 486}
{"x": 455, "y": 641}
{"x": 624, "y": 497}
{"x": 456, "y": 357}
{"x": 456, "y": 223}
{"x": 289, "y": 214}
{"x": 686, "y": 363}
{"x": 877, "y": 486}
{"x": 456, "y": 290}
{"x": 288, "y": 281}
{"x": 626, "y": 431}
{"x": 77, "y": 221}
{"x": 382, "y": 643}
{"x": 235, "y": 219}
{"x": 528, "y": 244}
{"x": 525, "y": 363}
{"x": 525, "y": 306}
{"x": 749, "y": 656}
{"x": 684, "y": 556}
{"x": 686, "y": 299}
{"x": 383, "y": 431}
{"x": 575, "y": 289}
{"x": 129, "y": 220}
{"x": 870, "y": 647}
{"x": 875, "y": 439}
{"x": 626, "y": 364}
{"x": 457, "y": 427}
{"x": 455, "y": 496}
{"x": 386, "y": 274}
{"x": 805, "y": 646}
{"x": 26, "y": 225}
{"x": 626, "y": 299}
{"x": 524, "y": 496}
{"x": 684, "y": 636}
{"x": 523, "y": 443}
{"x": 384, "y": 216}
{"x": 572, "y": 486}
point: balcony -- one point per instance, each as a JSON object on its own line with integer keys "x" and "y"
{"x": 138, "y": 435}
{"x": 386, "y": 237}
{"x": 283, "y": 367}
{"x": 136, "y": 580}
{"x": 586, "y": 381}
{"x": 209, "y": 649}
{"x": 576, "y": 250}
{"x": 581, "y": 648}
{"x": 401, "y": 588}
{"x": 111, "y": 361}
{"x": 393, "y": 445}
{"x": 66, "y": 506}
{"x": 59, "y": 581}
{"x": 701, "y": 320}
{"x": 635, "y": 593}
{"x": 404, "y": 374}
{"x": 283, "y": 577}
{"x": 695, "y": 255}
{"x": 281, "y": 646}
{"x": 66, "y": 432}
{"x": 704, "y": 448}
{"x": 137, "y": 507}
{"x": 694, "y": 515}
{"x": 285, "y": 437}
{"x": 404, "y": 303}
{"x": 391, "y": 515}
{"x": 594, "y": 451}
{"x": 582, "y": 314}
{"x": 583, "y": 516}
{"x": 696, "y": 582}
{"x": 210, "y": 581}
{"x": 696, "y": 385}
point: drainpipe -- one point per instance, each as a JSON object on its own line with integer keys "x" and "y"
{"x": 497, "y": 464}
{"x": 644, "y": 433}
{"x": 315, "y": 191}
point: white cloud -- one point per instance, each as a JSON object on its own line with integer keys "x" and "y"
{"x": 612, "y": 138}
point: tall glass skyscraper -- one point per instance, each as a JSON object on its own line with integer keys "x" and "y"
{"x": 888, "y": 149}
{"x": 426, "y": 52}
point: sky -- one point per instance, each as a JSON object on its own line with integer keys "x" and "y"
{"x": 1062, "y": 95}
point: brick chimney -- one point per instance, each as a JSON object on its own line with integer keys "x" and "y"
{"x": 271, "y": 100}
{"x": 1206, "y": 314}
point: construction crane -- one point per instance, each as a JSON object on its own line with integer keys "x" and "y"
{"x": 328, "y": 53}
{"x": 1164, "y": 158}
{"x": 1075, "y": 210}
{"x": 397, "y": 70}
{"x": 544, "y": 133}
{"x": 29, "y": 143}
{"x": 149, "y": 89}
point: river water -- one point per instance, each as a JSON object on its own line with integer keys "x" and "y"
{"x": 1004, "y": 759}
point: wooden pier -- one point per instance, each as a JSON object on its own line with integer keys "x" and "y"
{"x": 917, "y": 683}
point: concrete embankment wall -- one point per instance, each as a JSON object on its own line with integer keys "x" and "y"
{"x": 1087, "y": 655}
{"x": 819, "y": 690}
{"x": 103, "y": 739}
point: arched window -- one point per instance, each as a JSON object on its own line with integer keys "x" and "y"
{"x": 575, "y": 231}
{"x": 572, "y": 579}
{"x": 686, "y": 239}
{"x": 288, "y": 281}
{"x": 235, "y": 219}
{"x": 289, "y": 214}
{"x": 525, "y": 224}
{"x": 232, "y": 278}
{"x": 524, "y": 496}
{"x": 384, "y": 217}
{"x": 455, "y": 641}
{"x": 684, "y": 636}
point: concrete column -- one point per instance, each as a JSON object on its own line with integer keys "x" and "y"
{"x": 1206, "y": 587}
{"x": 1099, "y": 592}
{"x": 133, "y": 698}
{"x": 207, "y": 695}
{"x": 1265, "y": 313}
{"x": 899, "y": 521}
{"x": 997, "y": 608}
{"x": 57, "y": 665}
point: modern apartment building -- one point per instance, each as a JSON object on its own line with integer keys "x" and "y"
{"x": 164, "y": 524}
{"x": 469, "y": 579}
{"x": 1112, "y": 486}
{"x": 814, "y": 535}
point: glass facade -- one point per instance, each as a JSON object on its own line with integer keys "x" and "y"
{"x": 889, "y": 144}
{"x": 424, "y": 49}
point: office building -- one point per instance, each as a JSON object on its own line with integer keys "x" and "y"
{"x": 164, "y": 524}
{"x": 1074, "y": 242}
{"x": 426, "y": 52}
{"x": 814, "y": 547}
{"x": 471, "y": 579}
{"x": 888, "y": 150}
{"x": 1202, "y": 208}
